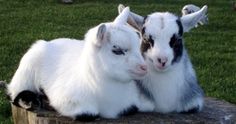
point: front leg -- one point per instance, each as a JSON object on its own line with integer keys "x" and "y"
{"x": 145, "y": 104}
{"x": 192, "y": 99}
{"x": 193, "y": 106}
{"x": 81, "y": 110}
{"x": 191, "y": 110}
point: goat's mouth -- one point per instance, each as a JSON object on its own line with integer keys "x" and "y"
{"x": 160, "y": 68}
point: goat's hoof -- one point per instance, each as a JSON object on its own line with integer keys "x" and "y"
{"x": 87, "y": 117}
{"x": 129, "y": 111}
{"x": 191, "y": 110}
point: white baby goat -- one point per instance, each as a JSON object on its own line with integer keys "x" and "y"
{"x": 85, "y": 79}
{"x": 171, "y": 81}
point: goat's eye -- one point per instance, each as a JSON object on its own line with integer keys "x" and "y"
{"x": 118, "y": 51}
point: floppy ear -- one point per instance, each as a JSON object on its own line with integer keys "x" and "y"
{"x": 123, "y": 16}
{"x": 190, "y": 20}
{"x": 135, "y": 20}
{"x": 101, "y": 34}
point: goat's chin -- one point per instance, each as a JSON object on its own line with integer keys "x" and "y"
{"x": 136, "y": 77}
{"x": 124, "y": 78}
{"x": 154, "y": 68}
{"x": 129, "y": 77}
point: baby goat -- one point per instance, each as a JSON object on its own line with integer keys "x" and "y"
{"x": 85, "y": 79}
{"x": 171, "y": 81}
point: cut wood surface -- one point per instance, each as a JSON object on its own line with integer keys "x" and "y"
{"x": 215, "y": 111}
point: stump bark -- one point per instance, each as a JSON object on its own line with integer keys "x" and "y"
{"x": 215, "y": 111}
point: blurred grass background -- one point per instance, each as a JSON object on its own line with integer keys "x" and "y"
{"x": 212, "y": 47}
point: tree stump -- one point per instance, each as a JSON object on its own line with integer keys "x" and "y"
{"x": 215, "y": 111}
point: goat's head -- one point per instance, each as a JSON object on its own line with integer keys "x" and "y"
{"x": 116, "y": 47}
{"x": 162, "y": 32}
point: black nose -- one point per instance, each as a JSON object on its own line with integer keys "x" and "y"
{"x": 162, "y": 60}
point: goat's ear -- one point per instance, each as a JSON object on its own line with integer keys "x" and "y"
{"x": 122, "y": 17}
{"x": 190, "y": 20}
{"x": 101, "y": 34}
{"x": 135, "y": 20}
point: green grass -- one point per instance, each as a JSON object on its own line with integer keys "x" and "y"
{"x": 212, "y": 47}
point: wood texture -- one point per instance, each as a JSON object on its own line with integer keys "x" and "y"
{"x": 215, "y": 111}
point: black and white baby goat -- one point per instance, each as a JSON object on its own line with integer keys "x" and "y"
{"x": 171, "y": 81}
{"x": 85, "y": 79}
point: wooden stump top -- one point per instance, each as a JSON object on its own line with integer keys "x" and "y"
{"x": 214, "y": 111}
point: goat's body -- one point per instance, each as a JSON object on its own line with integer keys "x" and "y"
{"x": 175, "y": 90}
{"x": 71, "y": 90}
{"x": 40, "y": 62}
{"x": 86, "y": 79}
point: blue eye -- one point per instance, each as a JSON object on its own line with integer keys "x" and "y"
{"x": 118, "y": 51}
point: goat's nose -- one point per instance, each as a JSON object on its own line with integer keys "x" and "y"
{"x": 162, "y": 60}
{"x": 142, "y": 67}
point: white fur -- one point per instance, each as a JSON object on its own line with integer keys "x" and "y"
{"x": 167, "y": 88}
{"x": 85, "y": 76}
{"x": 170, "y": 86}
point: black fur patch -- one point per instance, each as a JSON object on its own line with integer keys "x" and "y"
{"x": 177, "y": 45}
{"x": 144, "y": 19}
{"x": 147, "y": 44}
{"x": 43, "y": 95}
{"x": 150, "y": 40}
{"x": 29, "y": 99}
{"x": 45, "y": 103}
{"x": 129, "y": 111}
{"x": 180, "y": 27}
{"x": 143, "y": 30}
{"x": 144, "y": 47}
{"x": 192, "y": 110}
{"x": 86, "y": 117}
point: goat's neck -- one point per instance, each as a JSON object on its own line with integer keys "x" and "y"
{"x": 89, "y": 67}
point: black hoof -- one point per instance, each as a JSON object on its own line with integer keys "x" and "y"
{"x": 27, "y": 99}
{"x": 87, "y": 117}
{"x": 192, "y": 110}
{"x": 130, "y": 111}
